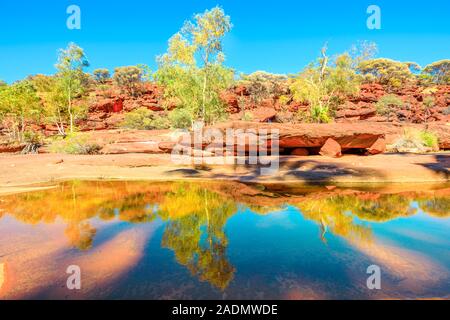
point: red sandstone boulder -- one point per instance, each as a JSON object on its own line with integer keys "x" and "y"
{"x": 331, "y": 149}
{"x": 231, "y": 101}
{"x": 263, "y": 114}
{"x": 378, "y": 147}
{"x": 167, "y": 146}
{"x": 241, "y": 91}
{"x": 103, "y": 105}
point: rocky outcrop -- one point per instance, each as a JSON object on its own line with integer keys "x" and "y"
{"x": 11, "y": 148}
{"x": 107, "y": 110}
{"x": 420, "y": 104}
{"x": 298, "y": 140}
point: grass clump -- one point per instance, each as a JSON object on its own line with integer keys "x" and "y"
{"x": 416, "y": 141}
{"x": 387, "y": 103}
{"x": 74, "y": 143}
{"x": 181, "y": 118}
{"x": 144, "y": 119}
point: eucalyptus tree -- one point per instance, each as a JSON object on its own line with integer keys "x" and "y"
{"x": 71, "y": 83}
{"x": 192, "y": 68}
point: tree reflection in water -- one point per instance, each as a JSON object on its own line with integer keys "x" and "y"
{"x": 196, "y": 214}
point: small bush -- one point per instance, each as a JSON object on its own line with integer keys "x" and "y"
{"x": 101, "y": 75}
{"x": 319, "y": 114}
{"x": 387, "y": 103}
{"x": 34, "y": 140}
{"x": 74, "y": 143}
{"x": 417, "y": 141}
{"x": 429, "y": 102}
{"x": 262, "y": 85}
{"x": 144, "y": 119}
{"x": 284, "y": 100}
{"x": 430, "y": 140}
{"x": 129, "y": 78}
{"x": 247, "y": 116}
{"x": 180, "y": 118}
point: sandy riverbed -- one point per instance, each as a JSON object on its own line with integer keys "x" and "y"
{"x": 21, "y": 172}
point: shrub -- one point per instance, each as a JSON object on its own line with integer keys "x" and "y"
{"x": 325, "y": 87}
{"x": 34, "y": 140}
{"x": 144, "y": 119}
{"x": 128, "y": 78}
{"x": 247, "y": 116}
{"x": 101, "y": 75}
{"x": 386, "y": 71}
{"x": 387, "y": 103}
{"x": 180, "y": 119}
{"x": 438, "y": 72}
{"x": 418, "y": 141}
{"x": 320, "y": 114}
{"x": 429, "y": 102}
{"x": 74, "y": 143}
{"x": 262, "y": 85}
{"x": 430, "y": 139}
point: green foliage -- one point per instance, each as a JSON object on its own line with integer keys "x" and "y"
{"x": 429, "y": 102}
{"x": 19, "y": 106}
{"x": 261, "y": 85}
{"x": 70, "y": 83}
{"x": 341, "y": 79}
{"x": 185, "y": 86}
{"x": 3, "y": 83}
{"x": 101, "y": 75}
{"x": 386, "y": 71}
{"x": 438, "y": 72}
{"x": 181, "y": 118}
{"x": 129, "y": 78}
{"x": 324, "y": 87}
{"x": 34, "y": 140}
{"x": 387, "y": 103}
{"x": 146, "y": 72}
{"x": 74, "y": 143}
{"x": 414, "y": 140}
{"x": 144, "y": 119}
{"x": 196, "y": 86}
{"x": 430, "y": 139}
{"x": 247, "y": 116}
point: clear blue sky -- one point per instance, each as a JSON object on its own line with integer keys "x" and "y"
{"x": 276, "y": 36}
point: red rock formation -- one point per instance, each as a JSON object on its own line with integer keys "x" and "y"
{"x": 331, "y": 148}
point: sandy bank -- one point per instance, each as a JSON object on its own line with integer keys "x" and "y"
{"x": 19, "y": 172}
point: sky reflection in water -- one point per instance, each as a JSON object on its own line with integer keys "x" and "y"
{"x": 204, "y": 240}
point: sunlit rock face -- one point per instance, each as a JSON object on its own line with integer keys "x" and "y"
{"x": 224, "y": 240}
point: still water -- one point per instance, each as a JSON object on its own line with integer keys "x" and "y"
{"x": 224, "y": 240}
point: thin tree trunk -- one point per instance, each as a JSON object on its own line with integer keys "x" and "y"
{"x": 324, "y": 62}
{"x": 22, "y": 129}
{"x": 205, "y": 80}
{"x": 70, "y": 109}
